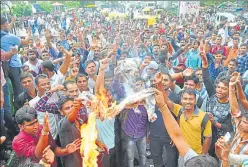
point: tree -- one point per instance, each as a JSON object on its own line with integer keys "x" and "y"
{"x": 46, "y": 6}
{"x": 71, "y": 4}
{"x": 22, "y": 9}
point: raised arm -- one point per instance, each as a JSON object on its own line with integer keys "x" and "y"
{"x": 206, "y": 76}
{"x": 43, "y": 105}
{"x": 48, "y": 38}
{"x": 172, "y": 125}
{"x": 44, "y": 139}
{"x": 64, "y": 67}
{"x": 241, "y": 95}
{"x": 232, "y": 97}
{"x": 77, "y": 104}
{"x": 26, "y": 40}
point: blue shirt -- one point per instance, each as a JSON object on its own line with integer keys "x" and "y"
{"x": 106, "y": 132}
{"x": 7, "y": 42}
{"x": 242, "y": 63}
{"x": 193, "y": 59}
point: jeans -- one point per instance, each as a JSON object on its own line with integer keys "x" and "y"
{"x": 14, "y": 75}
{"x": 157, "y": 144}
{"x": 9, "y": 122}
{"x": 130, "y": 149}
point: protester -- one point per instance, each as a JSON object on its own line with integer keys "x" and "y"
{"x": 73, "y": 64}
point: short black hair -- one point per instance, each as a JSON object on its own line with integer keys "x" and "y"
{"x": 234, "y": 61}
{"x": 188, "y": 91}
{"x": 88, "y": 62}
{"x": 219, "y": 52}
{"x": 193, "y": 77}
{"x": 81, "y": 75}
{"x": 38, "y": 77}
{"x": 225, "y": 80}
{"x": 66, "y": 83}
{"x": 139, "y": 79}
{"x": 243, "y": 44}
{"x": 26, "y": 113}
{"x": 202, "y": 161}
{"x": 3, "y": 20}
{"x": 169, "y": 76}
{"x": 62, "y": 100}
{"x": 25, "y": 75}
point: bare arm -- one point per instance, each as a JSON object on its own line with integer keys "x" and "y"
{"x": 241, "y": 96}
{"x": 11, "y": 24}
{"x": 26, "y": 40}
{"x": 44, "y": 139}
{"x": 172, "y": 125}
{"x": 206, "y": 145}
{"x": 76, "y": 108}
{"x": 64, "y": 67}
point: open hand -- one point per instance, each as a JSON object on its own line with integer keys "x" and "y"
{"x": 46, "y": 127}
{"x": 188, "y": 72}
{"x": 74, "y": 146}
{"x": 104, "y": 63}
{"x": 159, "y": 97}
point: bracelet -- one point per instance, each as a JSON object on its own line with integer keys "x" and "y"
{"x": 162, "y": 108}
{"x": 44, "y": 133}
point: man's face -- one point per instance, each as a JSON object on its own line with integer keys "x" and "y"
{"x": 72, "y": 90}
{"x": 218, "y": 40}
{"x": 91, "y": 69}
{"x": 214, "y": 37}
{"x": 188, "y": 101}
{"x": 4, "y": 26}
{"x": 43, "y": 85}
{"x": 67, "y": 108}
{"x": 125, "y": 46}
{"x": 200, "y": 34}
{"x": 189, "y": 84}
{"x": 182, "y": 43}
{"x": 82, "y": 84}
{"x": 231, "y": 66}
{"x": 195, "y": 45}
{"x": 45, "y": 56}
{"x": 199, "y": 75}
{"x": 31, "y": 43}
{"x": 244, "y": 125}
{"x": 242, "y": 50}
{"x": 58, "y": 46}
{"x": 163, "y": 47}
{"x": 123, "y": 56}
{"x": 28, "y": 83}
{"x": 218, "y": 57}
{"x": 31, "y": 56}
{"x": 139, "y": 85}
{"x": 221, "y": 90}
{"x": 166, "y": 82}
{"x": 236, "y": 42}
{"x": 156, "y": 50}
{"x": 236, "y": 36}
{"x": 96, "y": 52}
{"x": 31, "y": 127}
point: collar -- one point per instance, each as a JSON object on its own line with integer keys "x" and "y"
{"x": 196, "y": 111}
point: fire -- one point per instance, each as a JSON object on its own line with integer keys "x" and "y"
{"x": 88, "y": 146}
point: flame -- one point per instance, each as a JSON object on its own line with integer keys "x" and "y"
{"x": 88, "y": 146}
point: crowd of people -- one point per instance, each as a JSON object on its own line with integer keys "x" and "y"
{"x": 197, "y": 71}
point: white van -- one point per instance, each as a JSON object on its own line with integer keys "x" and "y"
{"x": 220, "y": 17}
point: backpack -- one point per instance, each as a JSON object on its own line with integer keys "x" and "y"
{"x": 5, "y": 64}
{"x": 203, "y": 123}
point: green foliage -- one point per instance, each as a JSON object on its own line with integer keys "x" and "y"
{"x": 71, "y": 4}
{"x": 46, "y": 6}
{"x": 22, "y": 9}
{"x": 214, "y": 2}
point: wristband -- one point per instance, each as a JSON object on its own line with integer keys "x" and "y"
{"x": 44, "y": 133}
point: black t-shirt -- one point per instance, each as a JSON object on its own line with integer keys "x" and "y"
{"x": 21, "y": 99}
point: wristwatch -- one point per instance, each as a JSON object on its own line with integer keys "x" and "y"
{"x": 44, "y": 133}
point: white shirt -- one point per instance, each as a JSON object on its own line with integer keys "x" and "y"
{"x": 35, "y": 67}
{"x": 57, "y": 79}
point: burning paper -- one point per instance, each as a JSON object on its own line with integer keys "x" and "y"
{"x": 88, "y": 148}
